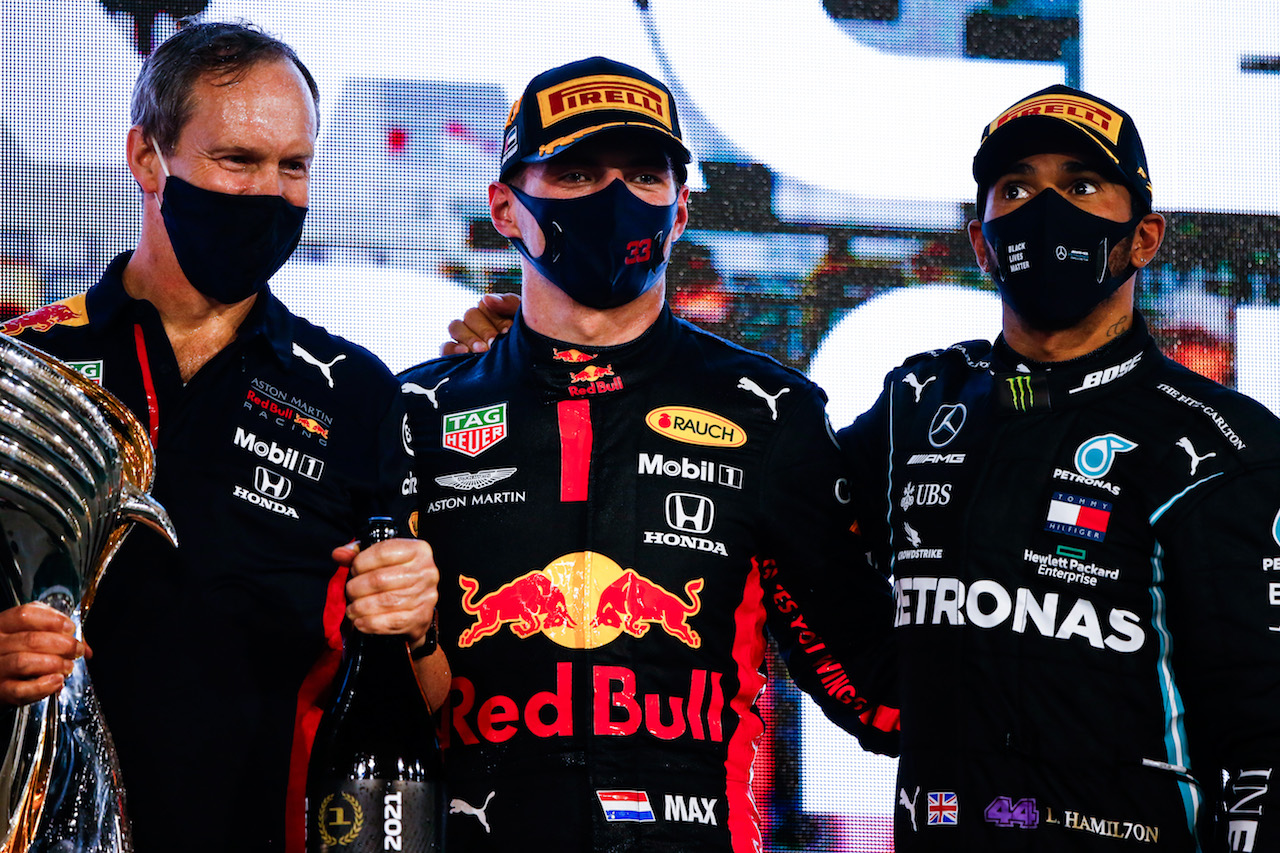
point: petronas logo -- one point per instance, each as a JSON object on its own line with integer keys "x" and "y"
{"x": 1020, "y": 392}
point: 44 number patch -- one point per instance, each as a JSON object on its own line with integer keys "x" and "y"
{"x": 1003, "y": 811}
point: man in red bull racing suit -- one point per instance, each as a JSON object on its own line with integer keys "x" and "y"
{"x": 649, "y": 497}
{"x": 1084, "y": 536}
{"x": 275, "y": 441}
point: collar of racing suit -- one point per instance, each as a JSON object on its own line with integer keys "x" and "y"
{"x": 562, "y": 370}
{"x": 1024, "y": 386}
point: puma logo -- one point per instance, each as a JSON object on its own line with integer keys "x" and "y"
{"x": 323, "y": 367}
{"x": 1196, "y": 459}
{"x": 909, "y": 805}
{"x": 911, "y": 380}
{"x": 429, "y": 393}
{"x": 458, "y": 806}
{"x": 772, "y": 399}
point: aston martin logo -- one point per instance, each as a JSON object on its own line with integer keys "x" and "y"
{"x": 467, "y": 481}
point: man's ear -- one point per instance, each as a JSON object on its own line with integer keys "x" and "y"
{"x": 1147, "y": 238}
{"x": 502, "y": 210}
{"x": 979, "y": 244}
{"x": 144, "y": 160}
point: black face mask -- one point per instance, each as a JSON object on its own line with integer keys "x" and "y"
{"x": 227, "y": 245}
{"x": 1051, "y": 260}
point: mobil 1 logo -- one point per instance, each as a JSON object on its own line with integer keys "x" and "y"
{"x": 685, "y": 468}
{"x": 286, "y": 457}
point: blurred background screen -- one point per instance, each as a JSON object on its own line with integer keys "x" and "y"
{"x": 831, "y": 187}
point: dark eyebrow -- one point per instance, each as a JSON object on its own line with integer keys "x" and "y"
{"x": 1082, "y": 166}
{"x": 1069, "y": 166}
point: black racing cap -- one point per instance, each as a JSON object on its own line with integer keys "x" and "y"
{"x": 573, "y": 102}
{"x": 1057, "y": 117}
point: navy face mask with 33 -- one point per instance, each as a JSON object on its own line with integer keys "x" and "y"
{"x": 603, "y": 249}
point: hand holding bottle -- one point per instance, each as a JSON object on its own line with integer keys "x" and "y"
{"x": 392, "y": 587}
{"x": 375, "y": 778}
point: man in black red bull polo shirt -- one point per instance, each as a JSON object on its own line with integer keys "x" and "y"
{"x": 1082, "y": 533}
{"x": 649, "y": 496}
{"x": 275, "y": 441}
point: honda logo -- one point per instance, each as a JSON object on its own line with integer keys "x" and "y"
{"x": 690, "y": 513}
{"x": 271, "y": 483}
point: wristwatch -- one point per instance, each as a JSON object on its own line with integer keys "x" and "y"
{"x": 430, "y": 640}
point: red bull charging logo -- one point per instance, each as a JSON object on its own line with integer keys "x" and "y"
{"x": 70, "y": 312}
{"x": 582, "y": 600}
{"x": 572, "y": 356}
{"x": 311, "y": 425}
{"x": 591, "y": 373}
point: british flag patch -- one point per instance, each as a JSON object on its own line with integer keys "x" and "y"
{"x": 944, "y": 809}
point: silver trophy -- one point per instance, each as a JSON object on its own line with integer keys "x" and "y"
{"x": 75, "y": 467}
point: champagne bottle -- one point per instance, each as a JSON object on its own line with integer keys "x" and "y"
{"x": 376, "y": 779}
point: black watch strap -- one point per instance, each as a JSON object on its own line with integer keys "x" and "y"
{"x": 429, "y": 640}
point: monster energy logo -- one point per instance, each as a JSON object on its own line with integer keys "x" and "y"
{"x": 1020, "y": 392}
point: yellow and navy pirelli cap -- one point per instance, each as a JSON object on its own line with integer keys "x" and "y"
{"x": 1062, "y": 118}
{"x": 570, "y": 103}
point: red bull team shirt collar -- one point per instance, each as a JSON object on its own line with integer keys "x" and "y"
{"x": 571, "y": 371}
{"x": 108, "y": 303}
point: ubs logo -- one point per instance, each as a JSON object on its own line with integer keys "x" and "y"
{"x": 690, "y": 513}
{"x": 272, "y": 483}
{"x": 946, "y": 424}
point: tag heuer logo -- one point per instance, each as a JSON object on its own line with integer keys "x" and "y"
{"x": 476, "y": 430}
{"x": 91, "y": 370}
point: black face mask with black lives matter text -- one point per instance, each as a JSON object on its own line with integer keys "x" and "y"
{"x": 1052, "y": 260}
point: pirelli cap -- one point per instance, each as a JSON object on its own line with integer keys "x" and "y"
{"x": 1062, "y": 116}
{"x": 570, "y": 103}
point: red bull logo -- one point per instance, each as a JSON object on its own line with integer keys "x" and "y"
{"x": 529, "y": 604}
{"x": 582, "y": 600}
{"x": 69, "y": 312}
{"x": 592, "y": 373}
{"x": 572, "y": 356}
{"x": 634, "y": 602}
{"x": 622, "y": 704}
{"x": 311, "y": 425}
{"x": 596, "y": 388}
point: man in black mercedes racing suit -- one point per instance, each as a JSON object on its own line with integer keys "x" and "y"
{"x": 649, "y": 497}
{"x": 1084, "y": 536}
